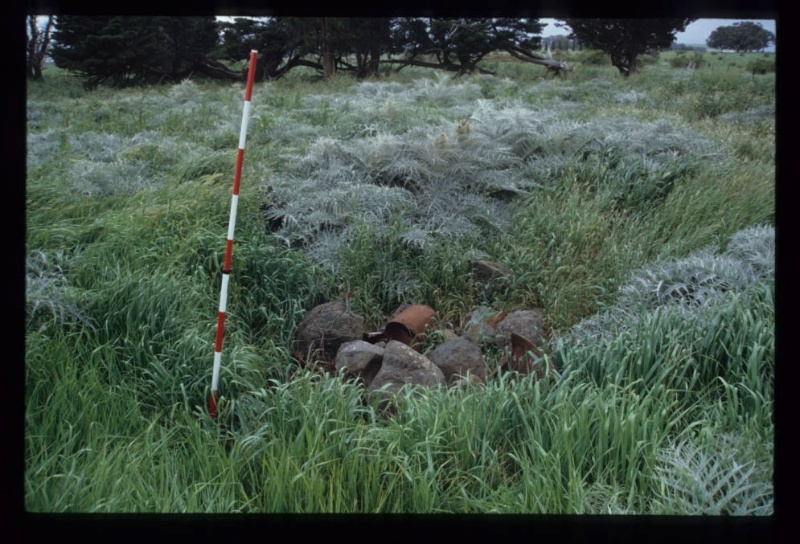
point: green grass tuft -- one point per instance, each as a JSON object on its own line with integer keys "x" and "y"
{"x": 637, "y": 213}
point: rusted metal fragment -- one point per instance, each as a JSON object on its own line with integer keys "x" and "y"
{"x": 409, "y": 326}
{"x": 522, "y": 359}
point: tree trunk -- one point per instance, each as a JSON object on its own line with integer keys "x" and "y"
{"x": 38, "y": 42}
{"x": 374, "y": 62}
{"x": 328, "y": 64}
{"x": 633, "y": 67}
{"x": 625, "y": 63}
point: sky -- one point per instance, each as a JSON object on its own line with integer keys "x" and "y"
{"x": 695, "y": 34}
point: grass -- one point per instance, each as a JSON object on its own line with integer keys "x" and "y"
{"x": 637, "y": 213}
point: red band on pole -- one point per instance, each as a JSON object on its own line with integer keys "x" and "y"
{"x": 251, "y": 75}
{"x": 220, "y": 332}
{"x": 226, "y": 267}
{"x": 237, "y": 175}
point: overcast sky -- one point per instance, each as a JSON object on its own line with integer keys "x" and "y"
{"x": 696, "y": 33}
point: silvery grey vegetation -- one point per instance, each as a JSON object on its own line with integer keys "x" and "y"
{"x": 425, "y": 163}
{"x": 688, "y": 286}
{"x": 96, "y": 163}
{"x": 711, "y": 479}
{"x": 394, "y": 152}
{"x": 48, "y": 294}
{"x": 429, "y": 160}
{"x": 759, "y": 115}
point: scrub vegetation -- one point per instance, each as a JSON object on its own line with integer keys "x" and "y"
{"x": 638, "y": 213}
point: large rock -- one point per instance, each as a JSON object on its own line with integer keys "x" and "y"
{"x": 491, "y": 277}
{"x": 481, "y": 324}
{"x": 526, "y": 323}
{"x": 403, "y": 366}
{"x": 359, "y": 359}
{"x": 325, "y": 328}
{"x": 459, "y": 358}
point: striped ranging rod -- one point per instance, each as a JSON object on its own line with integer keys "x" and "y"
{"x": 226, "y": 267}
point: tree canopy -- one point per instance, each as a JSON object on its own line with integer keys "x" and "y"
{"x": 282, "y": 43}
{"x": 625, "y": 39}
{"x": 358, "y": 45}
{"x": 741, "y": 37}
{"x": 124, "y": 51}
{"x": 459, "y": 44}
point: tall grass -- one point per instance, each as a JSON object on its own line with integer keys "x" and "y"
{"x": 637, "y": 213}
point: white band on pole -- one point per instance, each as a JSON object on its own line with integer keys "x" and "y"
{"x": 245, "y": 122}
{"x": 232, "y": 221}
{"x": 215, "y": 373}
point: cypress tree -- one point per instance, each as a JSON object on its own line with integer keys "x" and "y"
{"x": 122, "y": 51}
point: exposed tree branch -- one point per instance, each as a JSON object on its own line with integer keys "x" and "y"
{"x": 218, "y": 70}
{"x": 448, "y": 66}
{"x": 554, "y": 66}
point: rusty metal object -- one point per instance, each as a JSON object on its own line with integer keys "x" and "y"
{"x": 522, "y": 353}
{"x": 520, "y": 360}
{"x": 409, "y": 325}
{"x": 495, "y": 320}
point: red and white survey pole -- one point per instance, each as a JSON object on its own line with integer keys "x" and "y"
{"x": 226, "y": 267}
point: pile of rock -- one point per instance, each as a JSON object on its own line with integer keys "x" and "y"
{"x": 390, "y": 359}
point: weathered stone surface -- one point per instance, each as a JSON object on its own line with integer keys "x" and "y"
{"x": 458, "y": 358}
{"x": 491, "y": 277}
{"x": 484, "y": 271}
{"x": 359, "y": 359}
{"x": 402, "y": 366}
{"x": 526, "y": 323}
{"x": 464, "y": 382}
{"x": 449, "y": 334}
{"x": 325, "y": 328}
{"x": 480, "y": 325}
